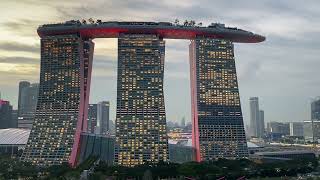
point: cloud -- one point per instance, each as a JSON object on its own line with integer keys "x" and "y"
{"x": 22, "y": 69}
{"x": 23, "y": 27}
{"x": 19, "y": 60}
{"x": 104, "y": 67}
{"x": 14, "y": 46}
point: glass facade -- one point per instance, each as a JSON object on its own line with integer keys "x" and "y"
{"x": 218, "y": 130}
{"x": 254, "y": 117}
{"x": 6, "y": 120}
{"x": 92, "y": 117}
{"x": 62, "y": 102}
{"x": 103, "y": 120}
{"x": 180, "y": 153}
{"x": 315, "y": 109}
{"x": 98, "y": 118}
{"x": 97, "y": 145}
{"x": 22, "y": 85}
{"x": 28, "y": 102}
{"x": 140, "y": 118}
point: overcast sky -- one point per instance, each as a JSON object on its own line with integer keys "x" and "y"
{"x": 283, "y": 71}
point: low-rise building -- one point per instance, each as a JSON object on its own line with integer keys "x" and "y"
{"x": 296, "y": 128}
{"x": 284, "y": 156}
{"x": 12, "y": 140}
{"x": 311, "y": 130}
{"x": 253, "y": 148}
{"x": 278, "y": 127}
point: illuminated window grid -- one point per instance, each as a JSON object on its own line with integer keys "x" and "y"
{"x": 52, "y": 135}
{"x": 141, "y": 121}
{"x": 220, "y": 122}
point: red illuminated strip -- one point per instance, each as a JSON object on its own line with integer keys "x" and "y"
{"x": 194, "y": 103}
{"x": 80, "y": 121}
{"x": 170, "y": 33}
{"x": 86, "y": 105}
{"x": 2, "y": 102}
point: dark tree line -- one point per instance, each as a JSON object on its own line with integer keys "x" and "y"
{"x": 11, "y": 168}
{"x": 230, "y": 169}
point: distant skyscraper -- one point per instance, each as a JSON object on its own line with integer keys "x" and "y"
{"x": 261, "y": 128}
{"x": 92, "y": 117}
{"x": 183, "y": 122}
{"x": 254, "y": 116}
{"x": 102, "y": 126}
{"x": 98, "y": 118}
{"x": 141, "y": 119}
{"x": 22, "y": 85}
{"x": 5, "y": 115}
{"x": 218, "y": 130}
{"x": 61, "y": 113}
{"x": 112, "y": 127}
{"x": 28, "y": 103}
{"x": 14, "y": 118}
{"x": 315, "y": 109}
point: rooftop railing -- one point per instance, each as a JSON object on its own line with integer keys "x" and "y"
{"x": 186, "y": 24}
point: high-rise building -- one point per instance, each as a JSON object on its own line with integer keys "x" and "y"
{"x": 92, "y": 117}
{"x": 296, "y": 128}
{"x": 183, "y": 122}
{"x": 14, "y": 118}
{"x": 27, "y": 104}
{"x": 261, "y": 128}
{"x": 140, "y": 118}
{"x": 5, "y": 115}
{"x": 22, "y": 85}
{"x": 315, "y": 109}
{"x": 256, "y": 118}
{"x": 112, "y": 127}
{"x": 254, "y": 115}
{"x": 218, "y": 130}
{"x": 61, "y": 113}
{"x": 98, "y": 118}
{"x": 102, "y": 126}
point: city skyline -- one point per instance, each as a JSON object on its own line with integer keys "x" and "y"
{"x": 258, "y": 70}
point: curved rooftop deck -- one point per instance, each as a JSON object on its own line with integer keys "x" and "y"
{"x": 112, "y": 29}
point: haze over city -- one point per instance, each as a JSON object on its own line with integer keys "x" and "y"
{"x": 281, "y": 71}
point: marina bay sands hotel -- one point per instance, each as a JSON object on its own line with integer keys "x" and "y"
{"x": 141, "y": 137}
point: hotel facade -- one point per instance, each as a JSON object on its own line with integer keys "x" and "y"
{"x": 65, "y": 76}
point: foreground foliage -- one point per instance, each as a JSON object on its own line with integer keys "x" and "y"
{"x": 230, "y": 169}
{"x": 12, "y": 168}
